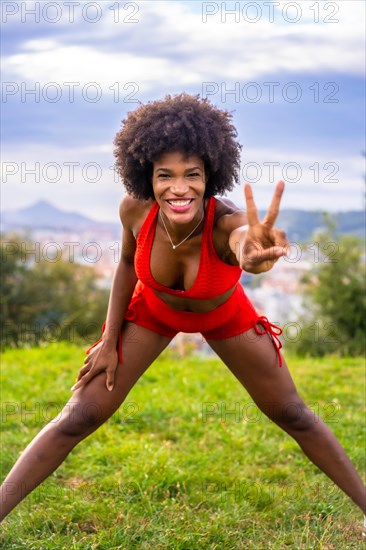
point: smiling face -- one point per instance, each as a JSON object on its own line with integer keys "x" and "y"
{"x": 179, "y": 184}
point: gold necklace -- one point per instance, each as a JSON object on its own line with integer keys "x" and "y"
{"x": 174, "y": 246}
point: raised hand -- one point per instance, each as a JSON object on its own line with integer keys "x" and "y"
{"x": 262, "y": 244}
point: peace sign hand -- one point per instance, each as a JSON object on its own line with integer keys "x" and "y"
{"x": 263, "y": 244}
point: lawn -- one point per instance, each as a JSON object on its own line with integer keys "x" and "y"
{"x": 188, "y": 461}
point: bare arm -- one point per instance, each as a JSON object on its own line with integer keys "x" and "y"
{"x": 104, "y": 357}
{"x": 124, "y": 280}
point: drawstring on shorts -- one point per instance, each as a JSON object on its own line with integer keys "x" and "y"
{"x": 274, "y": 332}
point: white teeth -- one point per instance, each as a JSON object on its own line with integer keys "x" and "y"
{"x": 180, "y": 203}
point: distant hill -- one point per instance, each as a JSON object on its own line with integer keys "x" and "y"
{"x": 43, "y": 215}
{"x": 298, "y": 224}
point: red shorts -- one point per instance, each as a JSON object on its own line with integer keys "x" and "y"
{"x": 232, "y": 318}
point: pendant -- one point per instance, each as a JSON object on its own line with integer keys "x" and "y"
{"x": 174, "y": 247}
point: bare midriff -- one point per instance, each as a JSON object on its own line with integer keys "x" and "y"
{"x": 193, "y": 304}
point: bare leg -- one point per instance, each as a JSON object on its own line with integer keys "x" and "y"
{"x": 87, "y": 409}
{"x": 252, "y": 359}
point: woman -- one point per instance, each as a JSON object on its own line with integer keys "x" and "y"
{"x": 182, "y": 255}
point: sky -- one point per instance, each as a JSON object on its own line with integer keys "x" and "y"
{"x": 291, "y": 74}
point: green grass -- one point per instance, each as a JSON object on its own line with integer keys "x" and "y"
{"x": 174, "y": 468}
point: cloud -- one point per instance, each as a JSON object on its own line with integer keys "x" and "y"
{"x": 78, "y": 177}
{"x": 66, "y": 176}
{"x": 171, "y": 46}
{"x": 313, "y": 182}
{"x": 168, "y": 49}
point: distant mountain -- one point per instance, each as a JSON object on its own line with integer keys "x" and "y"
{"x": 298, "y": 224}
{"x": 43, "y": 215}
{"x": 301, "y": 224}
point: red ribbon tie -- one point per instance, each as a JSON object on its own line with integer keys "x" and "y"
{"x": 273, "y": 330}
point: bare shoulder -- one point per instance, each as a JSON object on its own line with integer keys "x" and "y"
{"x": 133, "y": 211}
{"x": 228, "y": 216}
{"x": 128, "y": 208}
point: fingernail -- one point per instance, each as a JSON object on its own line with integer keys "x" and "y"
{"x": 110, "y": 387}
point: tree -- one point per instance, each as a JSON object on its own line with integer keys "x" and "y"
{"x": 335, "y": 297}
{"x": 13, "y": 273}
{"x": 48, "y": 300}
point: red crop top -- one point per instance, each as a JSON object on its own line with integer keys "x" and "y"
{"x": 214, "y": 276}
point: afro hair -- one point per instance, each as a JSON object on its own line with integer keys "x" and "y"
{"x": 183, "y": 123}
